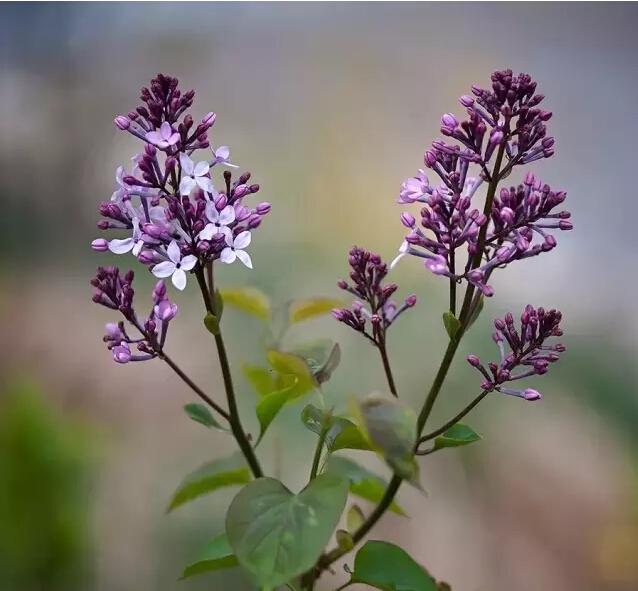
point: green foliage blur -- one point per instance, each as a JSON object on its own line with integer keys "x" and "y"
{"x": 44, "y": 542}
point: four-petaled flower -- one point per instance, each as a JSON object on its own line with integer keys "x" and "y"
{"x": 163, "y": 138}
{"x": 219, "y": 221}
{"x": 193, "y": 176}
{"x": 118, "y": 196}
{"x": 235, "y": 249}
{"x": 135, "y": 243}
{"x": 176, "y": 266}
{"x": 222, "y": 156}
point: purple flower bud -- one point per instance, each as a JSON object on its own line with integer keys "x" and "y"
{"x": 159, "y": 291}
{"x": 565, "y": 225}
{"x": 545, "y": 115}
{"x": 530, "y": 394}
{"x": 100, "y": 244}
{"x": 241, "y": 213}
{"x": 165, "y": 310}
{"x": 122, "y": 122}
{"x": 122, "y": 353}
{"x": 430, "y": 159}
{"x": 437, "y": 265}
{"x": 407, "y": 219}
{"x": 263, "y": 208}
{"x": 473, "y": 360}
{"x": 340, "y": 315}
{"x": 466, "y": 100}
{"x": 499, "y": 324}
{"x": 497, "y": 337}
{"x": 342, "y": 284}
{"x": 507, "y": 215}
{"x": 221, "y": 201}
{"x": 449, "y": 120}
{"x": 496, "y": 137}
{"x": 241, "y": 191}
{"x": 209, "y": 119}
{"x": 146, "y": 257}
{"x": 254, "y": 221}
{"x": 529, "y": 179}
{"x": 410, "y": 301}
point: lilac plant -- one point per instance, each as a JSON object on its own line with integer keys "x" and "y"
{"x": 168, "y": 214}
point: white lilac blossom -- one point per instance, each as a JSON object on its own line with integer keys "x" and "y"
{"x": 194, "y": 175}
{"x": 219, "y": 221}
{"x": 222, "y": 156}
{"x": 133, "y": 244}
{"x": 176, "y": 266}
{"x": 165, "y": 137}
{"x": 235, "y": 249}
{"x": 507, "y": 122}
{"x": 528, "y": 351}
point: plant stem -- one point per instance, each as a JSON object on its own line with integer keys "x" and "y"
{"x": 386, "y": 367}
{"x": 235, "y": 422}
{"x": 454, "y": 420}
{"x": 452, "y": 283}
{"x": 318, "y": 451}
{"x": 193, "y": 386}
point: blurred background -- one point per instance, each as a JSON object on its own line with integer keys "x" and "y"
{"x": 330, "y": 106}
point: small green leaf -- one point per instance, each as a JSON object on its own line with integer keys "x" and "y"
{"x": 322, "y": 357}
{"x": 201, "y": 414}
{"x": 217, "y": 555}
{"x": 249, "y": 300}
{"x": 477, "y": 312}
{"x": 344, "y": 540}
{"x": 355, "y": 518}
{"x": 268, "y": 408}
{"x": 316, "y": 419}
{"x": 219, "y": 304}
{"x": 260, "y": 378}
{"x": 310, "y": 308}
{"x": 211, "y": 323}
{"x": 210, "y": 477}
{"x": 363, "y": 483}
{"x": 277, "y": 535}
{"x": 451, "y": 324}
{"x": 288, "y": 364}
{"x": 351, "y": 437}
{"x": 388, "y": 567}
{"x": 457, "y": 435}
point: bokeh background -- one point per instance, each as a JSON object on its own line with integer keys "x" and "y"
{"x": 330, "y": 106}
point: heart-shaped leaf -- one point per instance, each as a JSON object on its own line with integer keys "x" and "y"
{"x": 390, "y": 568}
{"x": 363, "y": 483}
{"x": 317, "y": 420}
{"x": 351, "y": 437}
{"x": 249, "y": 300}
{"x": 209, "y": 477}
{"x": 201, "y": 414}
{"x": 260, "y": 378}
{"x": 455, "y": 436}
{"x": 451, "y": 324}
{"x": 216, "y": 555}
{"x": 311, "y": 308}
{"x": 277, "y": 535}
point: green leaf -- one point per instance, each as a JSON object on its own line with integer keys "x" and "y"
{"x": 457, "y": 435}
{"x": 211, "y": 323}
{"x": 388, "y": 567}
{"x": 316, "y": 420}
{"x": 217, "y": 555}
{"x": 249, "y": 300}
{"x": 277, "y": 535}
{"x": 201, "y": 414}
{"x": 451, "y": 324}
{"x": 219, "y": 304}
{"x": 363, "y": 483}
{"x": 344, "y": 540}
{"x": 355, "y": 518}
{"x": 260, "y": 378}
{"x": 312, "y": 307}
{"x": 210, "y": 477}
{"x": 288, "y": 364}
{"x": 322, "y": 357}
{"x": 268, "y": 408}
{"x": 351, "y": 437}
{"x": 477, "y": 312}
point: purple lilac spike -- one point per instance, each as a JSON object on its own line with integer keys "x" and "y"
{"x": 529, "y": 352}
{"x": 367, "y": 274}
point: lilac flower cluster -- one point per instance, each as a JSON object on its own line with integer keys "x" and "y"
{"x": 176, "y": 221}
{"x": 116, "y": 292}
{"x": 180, "y": 220}
{"x": 505, "y": 121}
{"x": 527, "y": 350}
{"x": 367, "y": 274}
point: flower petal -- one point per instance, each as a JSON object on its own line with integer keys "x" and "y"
{"x": 226, "y": 231}
{"x": 244, "y": 257}
{"x": 179, "y": 279}
{"x": 242, "y": 240}
{"x": 165, "y": 130}
{"x": 173, "y": 252}
{"x": 208, "y": 232}
{"x": 164, "y": 269}
{"x": 211, "y": 212}
{"x": 188, "y": 262}
{"x": 202, "y": 168}
{"x": 228, "y": 256}
{"x": 186, "y": 185}
{"x": 229, "y": 239}
{"x": 154, "y": 137}
{"x": 171, "y": 141}
{"x": 121, "y": 246}
{"x": 138, "y": 247}
{"x": 119, "y": 176}
{"x": 205, "y": 184}
{"x": 187, "y": 164}
{"x": 227, "y": 215}
{"x": 396, "y": 260}
{"x": 157, "y": 213}
{"x": 222, "y": 153}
